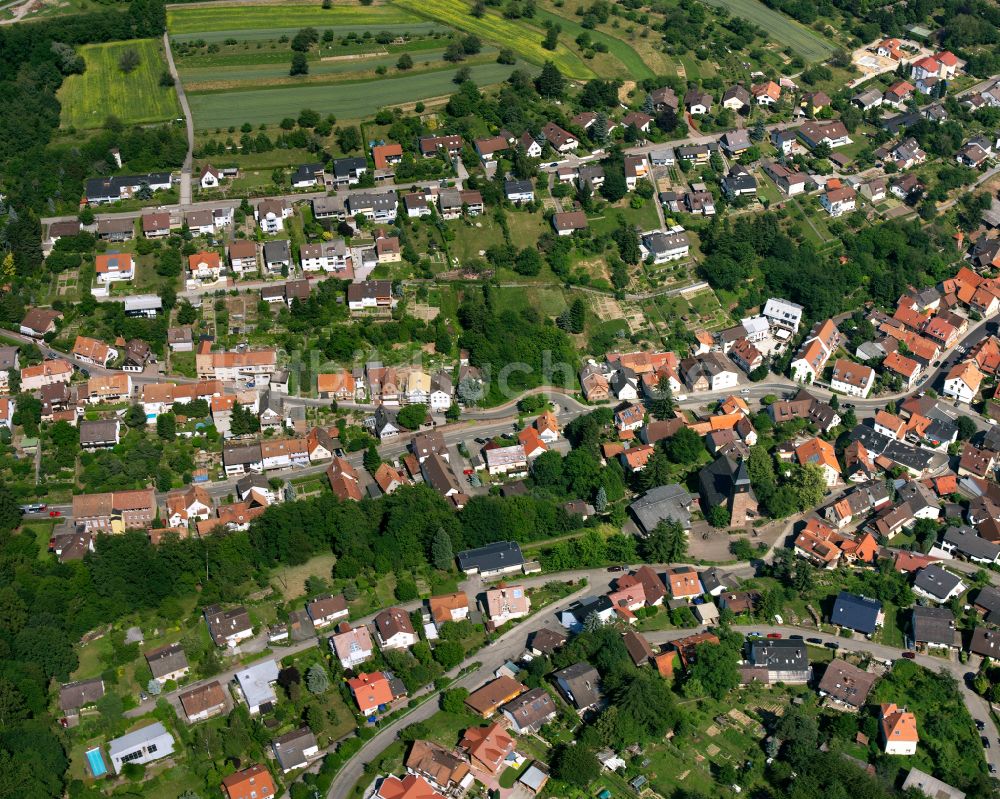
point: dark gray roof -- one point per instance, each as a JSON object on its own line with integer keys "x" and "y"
{"x": 75, "y": 695}
{"x": 671, "y": 502}
{"x": 166, "y": 659}
{"x": 933, "y": 626}
{"x": 345, "y": 167}
{"x": 499, "y": 555}
{"x": 98, "y": 432}
{"x": 713, "y": 578}
{"x": 583, "y": 682}
{"x": 779, "y": 655}
{"x": 588, "y": 605}
{"x": 518, "y": 187}
{"x": 968, "y": 543}
{"x": 856, "y": 612}
{"x": 7, "y": 356}
{"x": 988, "y": 599}
{"x": 307, "y": 172}
{"x": 721, "y": 478}
{"x": 936, "y": 581}
{"x": 279, "y": 250}
{"x": 290, "y": 747}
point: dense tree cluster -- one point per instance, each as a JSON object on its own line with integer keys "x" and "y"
{"x": 756, "y": 259}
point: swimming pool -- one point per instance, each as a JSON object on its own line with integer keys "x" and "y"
{"x": 96, "y": 763}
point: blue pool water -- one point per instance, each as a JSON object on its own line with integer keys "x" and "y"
{"x": 96, "y": 763}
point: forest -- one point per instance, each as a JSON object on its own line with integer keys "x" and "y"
{"x": 757, "y": 260}
{"x": 39, "y": 175}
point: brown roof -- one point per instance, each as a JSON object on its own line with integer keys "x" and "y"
{"x": 495, "y": 693}
{"x": 846, "y": 683}
{"x": 75, "y": 695}
{"x": 638, "y": 647}
{"x": 570, "y": 220}
{"x": 39, "y": 319}
{"x": 392, "y": 621}
{"x": 202, "y": 698}
{"x": 433, "y": 761}
{"x": 87, "y": 505}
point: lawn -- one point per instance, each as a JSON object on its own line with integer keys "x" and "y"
{"x": 292, "y": 579}
{"x": 524, "y": 38}
{"x": 547, "y": 301}
{"x": 345, "y": 101}
{"x": 779, "y": 28}
{"x": 41, "y": 531}
{"x": 103, "y": 90}
{"x": 266, "y": 17}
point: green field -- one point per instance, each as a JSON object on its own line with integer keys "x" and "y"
{"x": 344, "y": 100}
{"x": 278, "y": 73}
{"x": 634, "y": 66}
{"x": 103, "y": 89}
{"x": 522, "y": 37}
{"x": 237, "y": 18}
{"x": 780, "y": 29}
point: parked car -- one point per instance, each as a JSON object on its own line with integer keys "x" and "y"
{"x": 909, "y": 655}
{"x": 980, "y": 725}
{"x": 774, "y": 635}
{"x": 795, "y": 638}
{"x": 616, "y": 568}
{"x": 985, "y": 740}
{"x": 832, "y": 645}
{"x": 814, "y": 640}
{"x": 54, "y": 513}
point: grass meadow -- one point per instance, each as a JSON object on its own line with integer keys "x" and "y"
{"x": 520, "y": 35}
{"x": 104, "y": 90}
{"x": 225, "y": 18}
{"x": 780, "y": 28}
{"x": 344, "y": 100}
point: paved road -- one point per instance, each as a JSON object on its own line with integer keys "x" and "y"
{"x": 185, "y": 193}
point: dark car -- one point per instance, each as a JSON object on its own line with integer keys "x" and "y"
{"x": 814, "y": 640}
{"x": 616, "y": 568}
{"x": 795, "y": 638}
{"x": 909, "y": 655}
{"x": 980, "y": 725}
{"x": 832, "y": 645}
{"x": 985, "y": 740}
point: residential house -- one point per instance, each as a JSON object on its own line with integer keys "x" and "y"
{"x": 271, "y": 215}
{"x": 256, "y": 683}
{"x": 228, "y": 627}
{"x": 254, "y": 782}
{"x": 530, "y": 711}
{"x": 857, "y": 613}
{"x": 851, "y": 378}
{"x": 897, "y": 730}
{"x": 846, "y": 685}
{"x": 113, "y": 267}
{"x": 145, "y": 745}
{"x": 295, "y": 749}
{"x": 203, "y": 702}
{"x": 488, "y": 699}
{"x": 580, "y": 685}
{"x": 352, "y": 645}
{"x": 777, "y": 661}
{"x": 167, "y": 663}
{"x": 504, "y": 603}
{"x": 115, "y": 512}
{"x": 393, "y": 629}
{"x": 838, "y": 200}
{"x": 327, "y": 610}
